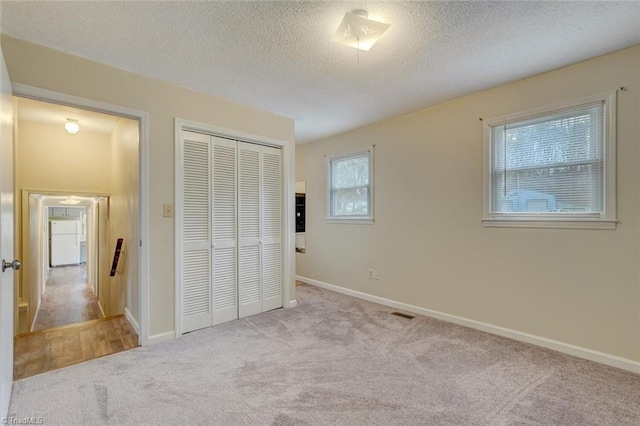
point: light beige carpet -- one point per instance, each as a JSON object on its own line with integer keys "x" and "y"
{"x": 334, "y": 360}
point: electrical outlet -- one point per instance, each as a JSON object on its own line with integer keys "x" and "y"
{"x": 167, "y": 210}
{"x": 376, "y": 275}
{"x": 370, "y": 274}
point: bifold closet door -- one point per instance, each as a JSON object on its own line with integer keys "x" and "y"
{"x": 224, "y": 281}
{"x": 231, "y": 265}
{"x": 260, "y": 226}
{"x": 209, "y": 266}
{"x": 271, "y": 210}
{"x": 249, "y": 253}
{"x": 196, "y": 232}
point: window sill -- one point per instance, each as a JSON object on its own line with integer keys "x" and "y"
{"x": 351, "y": 221}
{"x": 550, "y": 224}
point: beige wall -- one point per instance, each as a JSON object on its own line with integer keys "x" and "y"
{"x": 580, "y": 287}
{"x": 38, "y": 66}
{"x": 50, "y": 159}
{"x": 35, "y": 257}
{"x": 123, "y": 212}
{"x": 92, "y": 246}
{"x": 104, "y": 261}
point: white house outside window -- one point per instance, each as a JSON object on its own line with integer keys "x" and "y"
{"x": 350, "y": 186}
{"x": 553, "y": 167}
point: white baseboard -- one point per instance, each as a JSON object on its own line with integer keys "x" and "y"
{"x": 580, "y": 352}
{"x": 132, "y": 321}
{"x": 162, "y": 337}
{"x": 293, "y": 303}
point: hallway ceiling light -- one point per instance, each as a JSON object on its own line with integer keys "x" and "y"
{"x": 357, "y": 30}
{"x": 72, "y": 126}
{"x": 70, "y": 201}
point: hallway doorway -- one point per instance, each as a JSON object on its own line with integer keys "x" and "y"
{"x": 79, "y": 189}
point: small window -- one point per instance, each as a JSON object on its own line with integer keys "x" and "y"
{"x": 350, "y": 186}
{"x": 553, "y": 167}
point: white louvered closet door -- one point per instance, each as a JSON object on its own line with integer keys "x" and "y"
{"x": 249, "y": 253}
{"x": 196, "y": 232}
{"x": 271, "y": 210}
{"x": 224, "y": 282}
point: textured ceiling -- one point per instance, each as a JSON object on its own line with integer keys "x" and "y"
{"x": 277, "y": 56}
{"x": 42, "y": 112}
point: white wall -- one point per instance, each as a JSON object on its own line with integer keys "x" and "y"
{"x": 123, "y": 215}
{"x": 580, "y": 287}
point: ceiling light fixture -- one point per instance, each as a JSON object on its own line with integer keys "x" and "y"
{"x": 72, "y": 126}
{"x": 70, "y": 201}
{"x": 357, "y": 30}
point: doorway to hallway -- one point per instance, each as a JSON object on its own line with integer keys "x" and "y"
{"x": 79, "y": 195}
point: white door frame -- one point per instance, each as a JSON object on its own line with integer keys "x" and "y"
{"x": 50, "y": 96}
{"x": 288, "y": 225}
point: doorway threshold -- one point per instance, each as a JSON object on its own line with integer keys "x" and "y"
{"x": 46, "y": 350}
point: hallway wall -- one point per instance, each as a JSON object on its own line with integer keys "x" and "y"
{"x": 56, "y": 161}
{"x": 123, "y": 220}
{"x": 36, "y": 256}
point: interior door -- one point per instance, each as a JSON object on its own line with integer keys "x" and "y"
{"x": 6, "y": 239}
{"x": 271, "y": 228}
{"x": 224, "y": 283}
{"x": 249, "y": 252}
{"x": 196, "y": 232}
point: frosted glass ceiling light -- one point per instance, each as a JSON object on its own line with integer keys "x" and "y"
{"x": 70, "y": 201}
{"x": 357, "y": 30}
{"x": 72, "y": 126}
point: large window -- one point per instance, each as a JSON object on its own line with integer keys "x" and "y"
{"x": 350, "y": 186}
{"x": 553, "y": 167}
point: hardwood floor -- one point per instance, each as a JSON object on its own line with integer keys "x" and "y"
{"x": 68, "y": 298}
{"x": 58, "y": 347}
{"x": 69, "y": 327}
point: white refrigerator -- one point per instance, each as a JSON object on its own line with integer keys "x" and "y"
{"x": 65, "y": 242}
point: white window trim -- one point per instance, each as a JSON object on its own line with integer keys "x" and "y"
{"x": 361, "y": 220}
{"x": 606, "y": 220}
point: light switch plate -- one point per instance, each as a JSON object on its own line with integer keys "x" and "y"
{"x": 167, "y": 210}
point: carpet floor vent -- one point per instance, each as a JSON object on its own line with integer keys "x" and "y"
{"x": 403, "y": 315}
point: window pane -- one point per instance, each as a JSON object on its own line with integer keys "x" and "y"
{"x": 350, "y": 172}
{"x": 350, "y": 202}
{"x": 349, "y": 191}
{"x": 548, "y": 164}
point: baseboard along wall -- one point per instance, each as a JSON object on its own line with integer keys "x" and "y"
{"x": 161, "y": 337}
{"x": 580, "y": 352}
{"x": 132, "y": 321}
